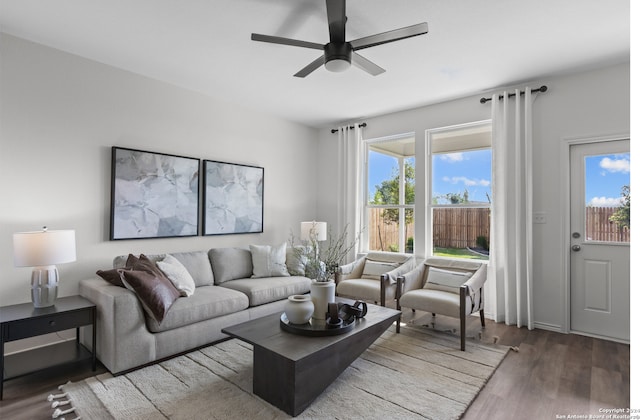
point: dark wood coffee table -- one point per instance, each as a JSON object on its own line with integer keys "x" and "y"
{"x": 290, "y": 370}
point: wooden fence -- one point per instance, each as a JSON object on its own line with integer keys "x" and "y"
{"x": 599, "y": 228}
{"x": 461, "y": 227}
{"x": 383, "y": 236}
{"x": 452, "y": 228}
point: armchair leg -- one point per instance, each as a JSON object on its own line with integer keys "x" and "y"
{"x": 482, "y": 317}
{"x": 463, "y": 333}
{"x": 400, "y": 317}
{"x": 463, "y": 316}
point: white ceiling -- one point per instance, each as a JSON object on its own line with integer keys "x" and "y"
{"x": 204, "y": 45}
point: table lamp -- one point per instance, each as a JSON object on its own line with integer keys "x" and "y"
{"x": 313, "y": 231}
{"x": 42, "y": 250}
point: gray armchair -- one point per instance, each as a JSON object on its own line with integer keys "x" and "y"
{"x": 374, "y": 276}
{"x": 445, "y": 286}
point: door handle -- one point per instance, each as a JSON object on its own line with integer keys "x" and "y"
{"x": 576, "y": 248}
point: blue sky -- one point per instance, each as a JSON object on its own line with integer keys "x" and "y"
{"x": 605, "y": 176}
{"x": 455, "y": 172}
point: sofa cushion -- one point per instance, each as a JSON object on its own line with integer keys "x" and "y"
{"x": 178, "y": 275}
{"x": 155, "y": 291}
{"x": 269, "y": 261}
{"x": 270, "y": 289}
{"x": 197, "y": 264}
{"x": 230, "y": 264}
{"x": 206, "y": 303}
{"x": 121, "y": 261}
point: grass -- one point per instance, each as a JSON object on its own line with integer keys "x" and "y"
{"x": 458, "y": 253}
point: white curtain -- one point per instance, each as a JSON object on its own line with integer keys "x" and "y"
{"x": 350, "y": 185}
{"x": 510, "y": 264}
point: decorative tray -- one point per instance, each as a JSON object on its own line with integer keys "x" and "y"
{"x": 316, "y": 327}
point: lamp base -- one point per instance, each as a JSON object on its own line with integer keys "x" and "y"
{"x": 44, "y": 286}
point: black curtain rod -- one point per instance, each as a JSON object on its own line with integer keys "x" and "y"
{"x": 542, "y": 88}
{"x": 351, "y": 127}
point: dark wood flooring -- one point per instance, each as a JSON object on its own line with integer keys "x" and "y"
{"x": 550, "y": 376}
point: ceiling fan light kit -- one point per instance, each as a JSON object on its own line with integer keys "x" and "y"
{"x": 337, "y": 56}
{"x": 338, "y": 53}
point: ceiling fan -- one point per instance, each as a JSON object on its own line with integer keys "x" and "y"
{"x": 338, "y": 53}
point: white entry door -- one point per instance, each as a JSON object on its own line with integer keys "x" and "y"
{"x": 600, "y": 183}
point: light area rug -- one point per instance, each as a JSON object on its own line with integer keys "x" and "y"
{"x": 417, "y": 374}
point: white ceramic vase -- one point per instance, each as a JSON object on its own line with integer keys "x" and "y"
{"x": 298, "y": 309}
{"x": 322, "y": 294}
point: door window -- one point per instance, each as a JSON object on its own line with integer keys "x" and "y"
{"x": 607, "y": 198}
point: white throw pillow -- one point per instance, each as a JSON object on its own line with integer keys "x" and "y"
{"x": 269, "y": 261}
{"x": 374, "y": 269}
{"x": 178, "y": 275}
{"x": 446, "y": 277}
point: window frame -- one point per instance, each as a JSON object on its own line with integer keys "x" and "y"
{"x": 430, "y": 134}
{"x": 402, "y": 240}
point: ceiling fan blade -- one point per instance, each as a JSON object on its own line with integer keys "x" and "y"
{"x": 337, "y": 17}
{"x": 366, "y": 65}
{"x": 314, "y": 65}
{"x": 286, "y": 41}
{"x": 391, "y": 36}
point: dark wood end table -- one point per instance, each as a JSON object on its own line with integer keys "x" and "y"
{"x": 24, "y": 321}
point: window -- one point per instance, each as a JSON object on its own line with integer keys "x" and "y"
{"x": 390, "y": 186}
{"x": 459, "y": 209}
{"x": 608, "y": 198}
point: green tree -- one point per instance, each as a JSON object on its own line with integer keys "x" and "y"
{"x": 388, "y": 193}
{"x": 622, "y": 216}
{"x": 454, "y": 198}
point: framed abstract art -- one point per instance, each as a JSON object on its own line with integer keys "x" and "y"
{"x": 153, "y": 195}
{"x": 233, "y": 198}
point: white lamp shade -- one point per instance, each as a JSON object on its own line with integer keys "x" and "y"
{"x": 337, "y": 65}
{"x": 308, "y": 229}
{"x": 42, "y": 248}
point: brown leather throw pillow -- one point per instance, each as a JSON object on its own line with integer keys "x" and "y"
{"x": 153, "y": 288}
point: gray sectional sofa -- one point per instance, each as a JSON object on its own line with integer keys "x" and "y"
{"x": 227, "y": 292}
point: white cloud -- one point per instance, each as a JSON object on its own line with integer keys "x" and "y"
{"x": 467, "y": 182}
{"x": 452, "y": 157}
{"x": 615, "y": 165}
{"x": 605, "y": 202}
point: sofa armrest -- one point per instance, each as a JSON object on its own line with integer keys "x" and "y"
{"x": 122, "y": 340}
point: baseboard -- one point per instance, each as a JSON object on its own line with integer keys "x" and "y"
{"x": 549, "y": 327}
{"x": 601, "y": 337}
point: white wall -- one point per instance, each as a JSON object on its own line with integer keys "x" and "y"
{"x": 587, "y": 104}
{"x": 59, "y": 116}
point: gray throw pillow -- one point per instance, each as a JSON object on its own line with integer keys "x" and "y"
{"x": 269, "y": 261}
{"x": 230, "y": 264}
{"x": 296, "y": 261}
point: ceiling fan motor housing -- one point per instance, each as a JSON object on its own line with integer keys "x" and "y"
{"x": 337, "y": 56}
